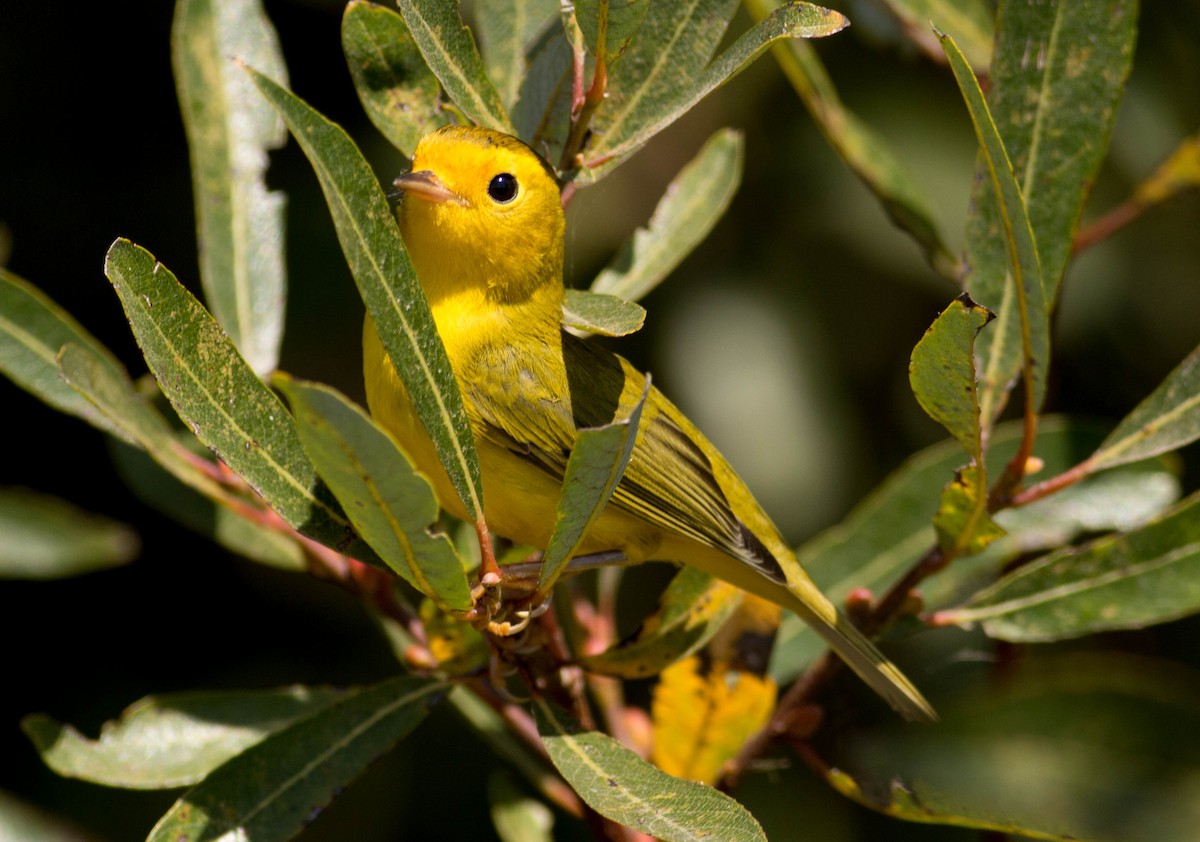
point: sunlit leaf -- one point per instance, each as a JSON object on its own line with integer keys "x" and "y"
{"x": 239, "y": 223}
{"x": 962, "y": 522}
{"x": 690, "y": 611}
{"x": 390, "y": 504}
{"x": 20, "y": 821}
{"x": 47, "y": 538}
{"x": 449, "y": 50}
{"x": 1181, "y": 171}
{"x": 395, "y": 85}
{"x": 174, "y": 739}
{"x": 601, "y": 313}
{"x": 861, "y": 148}
{"x": 273, "y": 790}
{"x": 691, "y": 206}
{"x": 32, "y": 330}
{"x": 621, "y": 786}
{"x": 388, "y": 284}
{"x": 516, "y": 816}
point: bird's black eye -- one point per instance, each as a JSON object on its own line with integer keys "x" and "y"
{"x": 503, "y": 188}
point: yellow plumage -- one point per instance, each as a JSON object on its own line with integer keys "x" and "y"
{"x": 482, "y": 220}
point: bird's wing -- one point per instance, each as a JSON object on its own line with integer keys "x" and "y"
{"x": 669, "y": 482}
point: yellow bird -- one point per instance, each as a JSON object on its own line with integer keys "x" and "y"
{"x": 481, "y": 217}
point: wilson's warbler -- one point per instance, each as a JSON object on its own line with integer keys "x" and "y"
{"x": 481, "y": 217}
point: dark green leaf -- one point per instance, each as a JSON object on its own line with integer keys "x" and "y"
{"x": 612, "y": 21}
{"x": 690, "y": 611}
{"x": 450, "y": 52}
{"x": 48, "y": 538}
{"x": 32, "y": 330}
{"x": 516, "y": 816}
{"x": 542, "y": 113}
{"x": 219, "y": 397}
{"x": 272, "y": 790}
{"x": 175, "y": 739}
{"x": 507, "y": 29}
{"x": 595, "y": 466}
{"x": 390, "y": 504}
{"x": 692, "y": 204}
{"x": 1057, "y": 77}
{"x": 862, "y": 149}
{"x": 1020, "y": 342}
{"x": 619, "y": 785}
{"x": 602, "y": 314}
{"x": 1167, "y": 420}
{"x": 389, "y": 287}
{"x": 397, "y": 89}
{"x": 1122, "y": 581}
{"x": 666, "y": 69}
{"x": 239, "y": 222}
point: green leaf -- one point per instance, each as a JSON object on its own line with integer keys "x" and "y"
{"x": 1078, "y": 746}
{"x": 20, "y": 821}
{"x": 607, "y": 25}
{"x": 506, "y": 30}
{"x": 1167, "y": 420}
{"x": 863, "y": 150}
{"x": 595, "y": 466}
{"x": 601, "y": 314}
{"x": 219, "y": 397}
{"x": 666, "y": 69}
{"x": 32, "y": 330}
{"x": 962, "y": 522}
{"x": 174, "y": 739}
{"x": 450, "y": 52}
{"x": 942, "y": 371}
{"x": 516, "y": 816}
{"x": 1057, "y": 77}
{"x": 542, "y": 113}
{"x": 1122, "y": 581}
{"x": 272, "y": 790}
{"x": 390, "y": 504}
{"x": 891, "y": 528}
{"x": 620, "y": 786}
{"x": 968, "y": 21}
{"x": 690, "y": 611}
{"x": 396, "y": 87}
{"x": 689, "y": 209}
{"x": 388, "y": 285}
{"x": 1020, "y": 341}
{"x": 1180, "y": 172}
{"x": 239, "y": 223}
{"x": 48, "y": 538}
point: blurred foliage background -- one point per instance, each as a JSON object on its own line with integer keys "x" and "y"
{"x": 785, "y": 336}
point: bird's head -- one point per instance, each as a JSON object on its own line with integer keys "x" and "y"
{"x": 481, "y": 209}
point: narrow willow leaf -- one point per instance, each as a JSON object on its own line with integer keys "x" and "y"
{"x": 703, "y": 715}
{"x": 388, "y": 285}
{"x": 1024, "y": 317}
{"x": 1167, "y": 420}
{"x": 174, "y": 739}
{"x": 891, "y": 528}
{"x": 32, "y": 330}
{"x": 274, "y": 789}
{"x": 1122, "y": 581}
{"x": 601, "y": 314}
{"x": 666, "y": 69}
{"x": 239, "y": 223}
{"x": 962, "y": 522}
{"x": 542, "y": 113}
{"x": 219, "y": 397}
{"x": 595, "y": 466}
{"x": 450, "y": 52}
{"x": 516, "y": 816}
{"x": 941, "y": 371}
{"x": 1079, "y": 746}
{"x": 395, "y": 85}
{"x": 22, "y": 821}
{"x": 690, "y": 611}
{"x": 506, "y": 30}
{"x": 863, "y": 150}
{"x": 692, "y": 204}
{"x": 390, "y": 504}
{"x": 1181, "y": 171}
{"x": 614, "y": 21}
{"x": 969, "y": 22}
{"x": 48, "y": 538}
{"x": 1057, "y": 77}
{"x": 619, "y": 785}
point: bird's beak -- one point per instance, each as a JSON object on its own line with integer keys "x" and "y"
{"x": 424, "y": 184}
